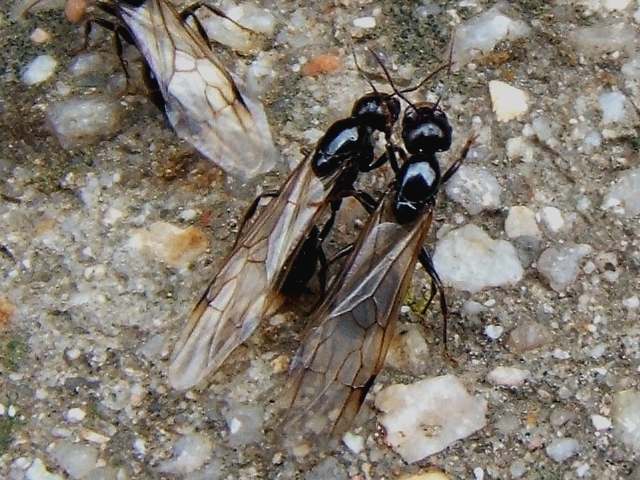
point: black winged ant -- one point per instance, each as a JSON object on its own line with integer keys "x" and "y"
{"x": 205, "y": 103}
{"x": 347, "y": 338}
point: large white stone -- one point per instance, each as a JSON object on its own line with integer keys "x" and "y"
{"x": 427, "y": 416}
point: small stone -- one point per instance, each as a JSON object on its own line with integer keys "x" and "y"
{"x": 95, "y": 437}
{"x": 355, "y": 443}
{"x": 623, "y": 196}
{"x": 408, "y": 351}
{"x": 11, "y": 411}
{"x": 75, "y": 10}
{"x": 39, "y": 70}
{"x": 171, "y": 244}
{"x": 37, "y": 471}
{"x": 471, "y": 260}
{"x": 77, "y": 459}
{"x": 244, "y": 423}
{"x": 520, "y": 148}
{"x": 561, "y": 416}
{"x": 494, "y": 332}
{"x": 322, "y": 64}
{"x": 40, "y": 35}
{"x": 189, "y": 454}
{"x": 600, "y": 423}
{"x": 7, "y": 310}
{"x": 552, "y": 218}
{"x": 479, "y": 35}
{"x": 560, "y": 265}
{"x": 562, "y": 449}
{"x": 430, "y": 475}
{"x": 625, "y": 413}
{"x": 74, "y": 415}
{"x": 365, "y": 22}
{"x": 616, "y": 108}
{"x": 528, "y": 336}
{"x": 478, "y": 473}
{"x": 475, "y": 189}
{"x": 84, "y": 121}
{"x": 518, "y": 469}
{"x": 521, "y": 222}
{"x": 508, "y": 376}
{"x": 603, "y": 38}
{"x": 631, "y": 303}
{"x": 508, "y": 102}
{"x": 559, "y": 354}
{"x": 427, "y": 416}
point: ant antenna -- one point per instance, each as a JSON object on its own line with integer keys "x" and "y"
{"x": 362, "y": 72}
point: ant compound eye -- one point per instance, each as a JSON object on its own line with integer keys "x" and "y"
{"x": 426, "y": 129}
{"x": 417, "y": 185}
{"x": 347, "y": 140}
{"x": 378, "y": 111}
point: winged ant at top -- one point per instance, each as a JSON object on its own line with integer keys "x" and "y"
{"x": 279, "y": 249}
{"x": 206, "y": 105}
{"x": 347, "y": 337}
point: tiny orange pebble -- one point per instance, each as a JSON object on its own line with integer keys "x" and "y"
{"x": 7, "y": 310}
{"x": 325, "y": 63}
{"x": 75, "y": 10}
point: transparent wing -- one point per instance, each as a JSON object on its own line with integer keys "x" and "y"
{"x": 347, "y": 339}
{"x": 246, "y": 288}
{"x": 205, "y": 104}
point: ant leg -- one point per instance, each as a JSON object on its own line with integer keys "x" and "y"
{"x": 436, "y": 287}
{"x": 455, "y": 165}
{"x": 189, "y": 13}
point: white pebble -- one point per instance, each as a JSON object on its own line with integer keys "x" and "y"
{"x": 471, "y": 260}
{"x": 83, "y": 121}
{"x": 40, "y": 35}
{"x": 508, "y": 376}
{"x": 521, "y": 222}
{"x": 365, "y": 22}
{"x": 427, "y": 416}
{"x": 39, "y": 70}
{"x": 600, "y": 423}
{"x": 140, "y": 447}
{"x": 478, "y": 473}
{"x": 38, "y": 471}
{"x": 520, "y": 148}
{"x": 355, "y": 443}
{"x": 508, "y": 102}
{"x": 551, "y": 217}
{"x": 559, "y": 265}
{"x": 623, "y": 196}
{"x": 479, "y": 35}
{"x": 559, "y": 354}
{"x": 77, "y": 459}
{"x": 11, "y": 411}
{"x": 631, "y": 303}
{"x": 494, "y": 332}
{"x": 562, "y": 448}
{"x": 616, "y": 108}
{"x": 74, "y": 415}
{"x": 626, "y": 418}
{"x": 189, "y": 454}
{"x": 3, "y": 409}
{"x": 475, "y": 189}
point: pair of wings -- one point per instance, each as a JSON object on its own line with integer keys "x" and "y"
{"x": 206, "y": 104}
{"x": 348, "y": 335}
{"x": 246, "y": 288}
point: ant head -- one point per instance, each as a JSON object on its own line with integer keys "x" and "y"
{"x": 378, "y": 111}
{"x": 426, "y": 129}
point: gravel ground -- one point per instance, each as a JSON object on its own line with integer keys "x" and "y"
{"x": 89, "y": 308}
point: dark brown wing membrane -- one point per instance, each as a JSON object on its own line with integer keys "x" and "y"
{"x": 349, "y": 334}
{"x": 245, "y": 290}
